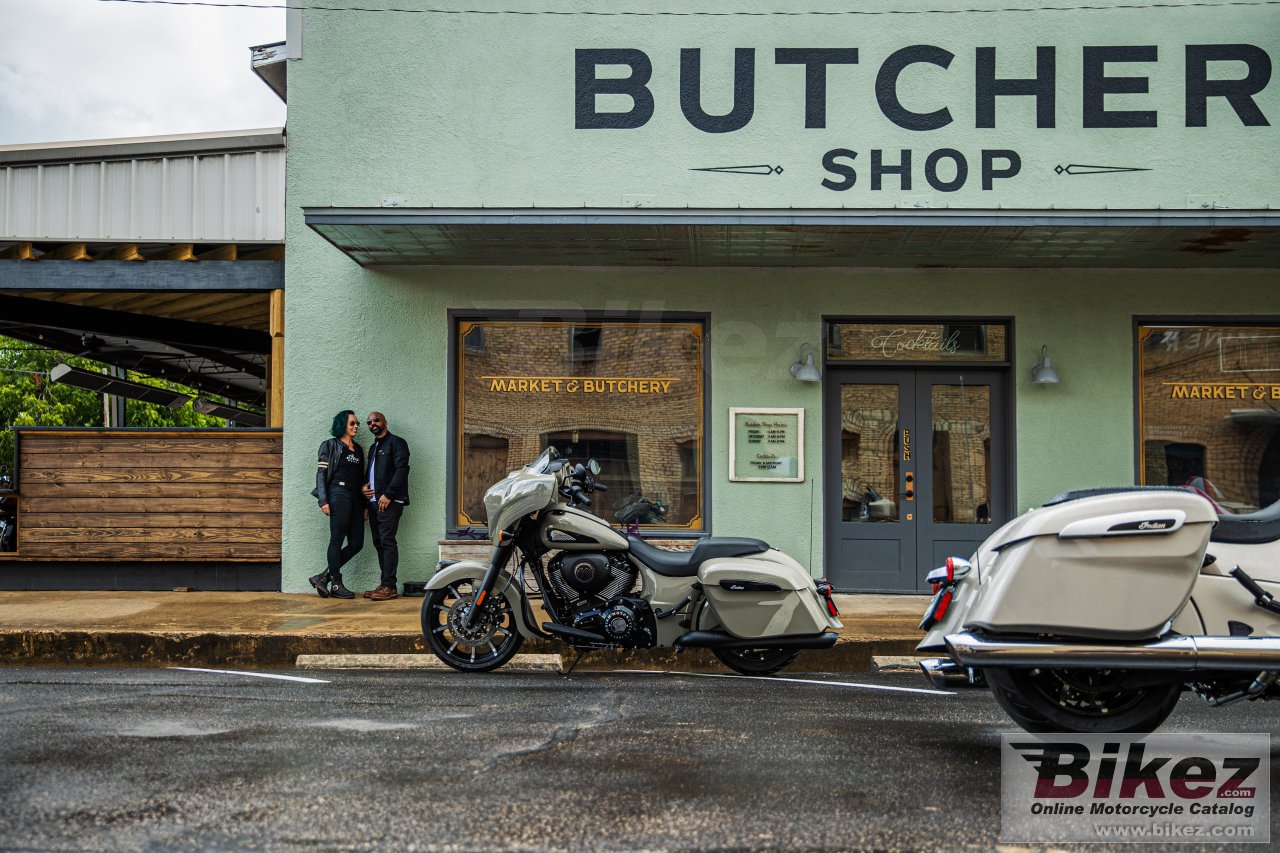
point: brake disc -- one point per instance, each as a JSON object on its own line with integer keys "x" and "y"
{"x": 482, "y": 631}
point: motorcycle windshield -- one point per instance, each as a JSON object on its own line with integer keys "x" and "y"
{"x": 539, "y": 465}
{"x": 521, "y": 493}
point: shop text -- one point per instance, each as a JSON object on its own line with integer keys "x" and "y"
{"x": 577, "y": 385}
{"x": 1223, "y": 391}
{"x": 1202, "y": 70}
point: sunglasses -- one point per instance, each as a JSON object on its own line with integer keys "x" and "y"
{"x": 373, "y": 421}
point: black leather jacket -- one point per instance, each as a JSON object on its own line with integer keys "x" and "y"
{"x": 327, "y": 458}
{"x": 391, "y": 467}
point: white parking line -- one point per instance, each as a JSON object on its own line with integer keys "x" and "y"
{"x": 252, "y": 674}
{"x": 922, "y": 690}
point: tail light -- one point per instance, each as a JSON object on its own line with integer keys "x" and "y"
{"x": 943, "y": 581}
{"x": 943, "y": 604}
{"x": 824, "y": 590}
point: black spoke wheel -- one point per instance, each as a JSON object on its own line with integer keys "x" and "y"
{"x": 492, "y": 639}
{"x": 1085, "y": 701}
{"x": 756, "y": 661}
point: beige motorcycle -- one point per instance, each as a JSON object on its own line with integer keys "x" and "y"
{"x": 1094, "y": 612}
{"x": 751, "y": 604}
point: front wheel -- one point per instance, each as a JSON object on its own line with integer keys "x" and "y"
{"x": 1084, "y": 701}
{"x": 756, "y": 661}
{"x": 491, "y": 641}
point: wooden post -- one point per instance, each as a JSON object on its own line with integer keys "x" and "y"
{"x": 275, "y": 366}
{"x": 220, "y": 253}
{"x": 18, "y": 252}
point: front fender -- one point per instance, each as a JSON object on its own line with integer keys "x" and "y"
{"x": 473, "y": 570}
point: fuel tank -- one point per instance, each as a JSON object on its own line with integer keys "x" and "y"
{"x": 1116, "y": 566}
{"x": 563, "y": 528}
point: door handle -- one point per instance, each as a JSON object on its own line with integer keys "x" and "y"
{"x": 909, "y": 493}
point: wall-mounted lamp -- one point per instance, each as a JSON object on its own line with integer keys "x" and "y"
{"x": 803, "y": 369}
{"x": 1043, "y": 373}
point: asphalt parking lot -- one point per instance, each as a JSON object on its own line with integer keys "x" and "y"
{"x": 169, "y": 759}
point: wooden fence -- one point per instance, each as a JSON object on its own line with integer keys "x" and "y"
{"x": 149, "y": 495}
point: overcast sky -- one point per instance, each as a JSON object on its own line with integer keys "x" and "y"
{"x": 85, "y": 69}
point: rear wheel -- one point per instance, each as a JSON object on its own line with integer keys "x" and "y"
{"x": 1086, "y": 701}
{"x": 756, "y": 661}
{"x": 491, "y": 641}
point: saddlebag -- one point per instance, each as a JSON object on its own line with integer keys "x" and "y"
{"x": 757, "y": 598}
{"x": 1116, "y": 566}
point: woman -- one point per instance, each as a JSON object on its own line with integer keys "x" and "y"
{"x": 340, "y": 476}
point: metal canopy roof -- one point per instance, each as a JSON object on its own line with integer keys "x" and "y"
{"x": 803, "y": 238}
{"x": 226, "y": 360}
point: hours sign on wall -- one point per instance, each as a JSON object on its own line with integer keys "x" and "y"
{"x": 766, "y": 445}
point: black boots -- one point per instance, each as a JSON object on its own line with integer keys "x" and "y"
{"x": 321, "y": 583}
{"x": 326, "y": 588}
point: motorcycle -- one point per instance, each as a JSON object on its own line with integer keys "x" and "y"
{"x": 1093, "y": 612}
{"x": 751, "y": 604}
{"x": 637, "y": 510}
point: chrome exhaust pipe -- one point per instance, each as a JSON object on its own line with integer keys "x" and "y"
{"x": 1253, "y": 654}
{"x": 945, "y": 673}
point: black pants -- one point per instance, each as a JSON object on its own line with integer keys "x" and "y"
{"x": 346, "y": 521}
{"x": 382, "y": 530}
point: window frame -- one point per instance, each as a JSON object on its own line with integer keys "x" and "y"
{"x": 573, "y": 318}
{"x": 830, "y": 321}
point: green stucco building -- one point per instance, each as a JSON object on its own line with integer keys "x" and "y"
{"x": 626, "y": 234}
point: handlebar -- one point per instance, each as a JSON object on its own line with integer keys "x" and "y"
{"x": 1258, "y": 593}
{"x": 578, "y": 483}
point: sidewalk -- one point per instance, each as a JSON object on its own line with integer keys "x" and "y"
{"x": 270, "y": 629}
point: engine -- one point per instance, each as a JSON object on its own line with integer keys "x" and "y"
{"x": 591, "y": 590}
{"x": 580, "y": 576}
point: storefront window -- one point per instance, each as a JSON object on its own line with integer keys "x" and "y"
{"x": 1210, "y": 411}
{"x": 627, "y": 394}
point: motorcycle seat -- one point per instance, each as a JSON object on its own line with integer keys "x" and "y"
{"x": 684, "y": 564}
{"x": 1256, "y": 528}
{"x": 1077, "y": 494}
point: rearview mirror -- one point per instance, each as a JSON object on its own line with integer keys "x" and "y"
{"x": 594, "y": 467}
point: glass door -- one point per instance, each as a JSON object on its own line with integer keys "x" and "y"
{"x": 915, "y": 472}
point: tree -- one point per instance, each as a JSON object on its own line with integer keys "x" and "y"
{"x": 28, "y": 398}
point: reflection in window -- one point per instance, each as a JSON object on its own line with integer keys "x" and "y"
{"x": 870, "y": 453}
{"x": 923, "y": 341}
{"x": 966, "y": 340}
{"x": 488, "y": 463}
{"x": 961, "y": 454}
{"x": 474, "y": 339}
{"x": 584, "y": 345}
{"x": 1209, "y": 413}
{"x": 627, "y": 394}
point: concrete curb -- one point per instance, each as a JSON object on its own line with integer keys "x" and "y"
{"x": 87, "y": 648}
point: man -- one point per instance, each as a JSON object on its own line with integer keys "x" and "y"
{"x": 387, "y": 491}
